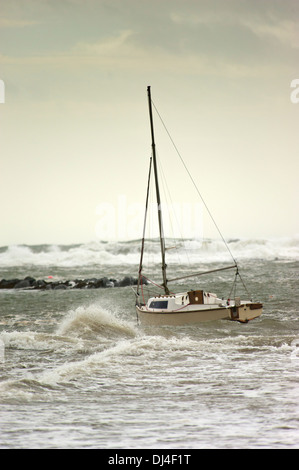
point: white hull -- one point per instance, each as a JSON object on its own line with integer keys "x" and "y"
{"x": 193, "y": 314}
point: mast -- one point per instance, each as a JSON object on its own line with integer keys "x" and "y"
{"x": 144, "y": 226}
{"x": 162, "y": 241}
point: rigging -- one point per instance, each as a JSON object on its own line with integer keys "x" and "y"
{"x": 194, "y": 184}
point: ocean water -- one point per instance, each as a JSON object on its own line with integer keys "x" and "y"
{"x": 76, "y": 371}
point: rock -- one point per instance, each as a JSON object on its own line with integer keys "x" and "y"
{"x": 80, "y": 284}
{"x": 60, "y": 286}
{"x": 126, "y": 281}
{"x": 92, "y": 283}
{"x": 39, "y": 284}
{"x": 8, "y": 284}
{"x": 22, "y": 284}
{"x": 98, "y": 283}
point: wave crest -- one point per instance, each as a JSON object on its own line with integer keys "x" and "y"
{"x": 127, "y": 253}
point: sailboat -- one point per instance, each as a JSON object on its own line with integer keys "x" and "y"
{"x": 191, "y": 306}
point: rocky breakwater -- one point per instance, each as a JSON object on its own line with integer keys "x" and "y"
{"x": 40, "y": 284}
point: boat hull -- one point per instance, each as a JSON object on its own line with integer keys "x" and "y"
{"x": 242, "y": 313}
{"x": 246, "y": 312}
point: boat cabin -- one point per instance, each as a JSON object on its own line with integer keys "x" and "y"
{"x": 177, "y": 301}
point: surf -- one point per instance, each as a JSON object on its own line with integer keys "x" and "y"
{"x": 126, "y": 252}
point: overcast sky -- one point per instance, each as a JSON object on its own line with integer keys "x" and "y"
{"x": 74, "y": 130}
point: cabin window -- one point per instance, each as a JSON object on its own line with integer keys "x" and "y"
{"x": 159, "y": 304}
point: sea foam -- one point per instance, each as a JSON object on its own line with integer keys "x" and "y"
{"x": 128, "y": 252}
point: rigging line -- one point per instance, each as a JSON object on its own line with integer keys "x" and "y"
{"x": 243, "y": 283}
{"x": 234, "y": 286}
{"x": 168, "y": 197}
{"x": 197, "y": 190}
{"x": 144, "y": 224}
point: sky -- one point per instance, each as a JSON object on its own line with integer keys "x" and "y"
{"x": 74, "y": 126}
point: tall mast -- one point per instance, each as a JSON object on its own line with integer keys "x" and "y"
{"x": 144, "y": 226}
{"x": 162, "y": 241}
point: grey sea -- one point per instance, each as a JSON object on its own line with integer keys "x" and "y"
{"x": 76, "y": 371}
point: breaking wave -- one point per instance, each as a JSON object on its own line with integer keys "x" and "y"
{"x": 127, "y": 253}
{"x": 93, "y": 320}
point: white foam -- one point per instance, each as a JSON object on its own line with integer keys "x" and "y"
{"x": 86, "y": 320}
{"x": 30, "y": 340}
{"x": 127, "y": 253}
{"x": 143, "y": 347}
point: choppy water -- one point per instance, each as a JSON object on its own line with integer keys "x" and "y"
{"x": 77, "y": 372}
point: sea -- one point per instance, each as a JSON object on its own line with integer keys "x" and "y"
{"x": 78, "y": 372}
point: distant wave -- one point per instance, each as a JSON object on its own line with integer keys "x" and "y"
{"x": 128, "y": 252}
